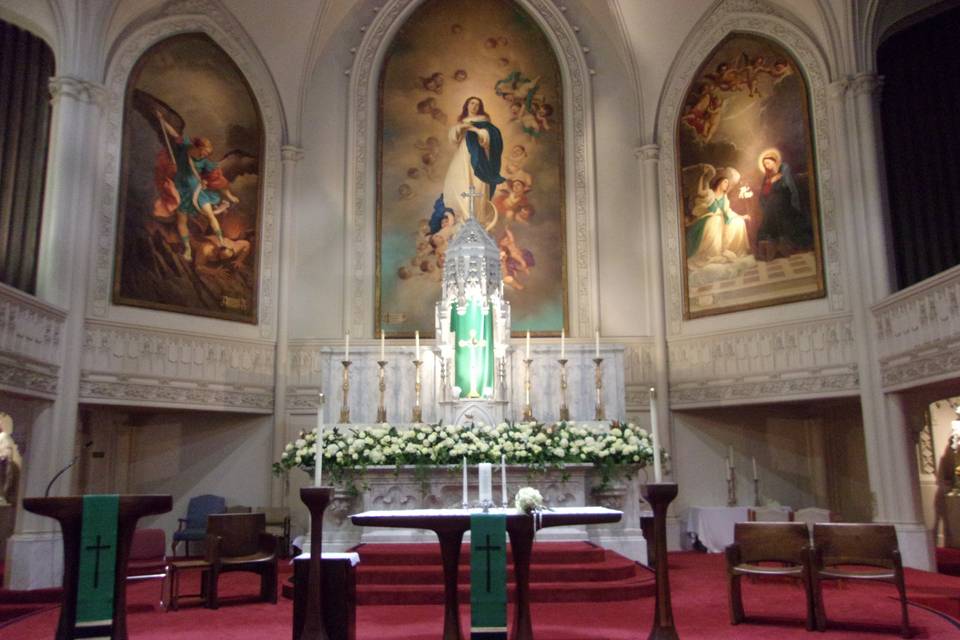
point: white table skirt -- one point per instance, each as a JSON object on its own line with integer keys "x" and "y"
{"x": 713, "y": 526}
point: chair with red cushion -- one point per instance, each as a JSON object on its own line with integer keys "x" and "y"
{"x": 148, "y": 556}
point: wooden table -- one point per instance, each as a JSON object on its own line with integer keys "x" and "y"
{"x": 451, "y": 524}
{"x": 69, "y": 512}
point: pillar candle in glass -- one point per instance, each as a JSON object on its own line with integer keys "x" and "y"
{"x": 486, "y": 482}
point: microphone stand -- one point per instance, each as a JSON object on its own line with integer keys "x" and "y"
{"x": 46, "y": 492}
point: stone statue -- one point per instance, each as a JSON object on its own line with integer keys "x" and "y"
{"x": 10, "y": 461}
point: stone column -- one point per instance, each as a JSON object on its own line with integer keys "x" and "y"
{"x": 890, "y": 457}
{"x": 34, "y": 554}
{"x": 290, "y": 155}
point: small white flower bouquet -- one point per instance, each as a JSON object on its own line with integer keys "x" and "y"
{"x": 528, "y": 500}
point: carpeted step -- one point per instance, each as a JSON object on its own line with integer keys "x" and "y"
{"x": 615, "y": 567}
{"x": 610, "y": 591}
{"x": 424, "y": 554}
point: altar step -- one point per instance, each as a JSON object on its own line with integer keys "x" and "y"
{"x": 391, "y": 574}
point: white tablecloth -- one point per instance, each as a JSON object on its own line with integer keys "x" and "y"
{"x": 713, "y": 526}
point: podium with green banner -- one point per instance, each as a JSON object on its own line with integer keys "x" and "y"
{"x": 97, "y": 534}
{"x": 488, "y": 576}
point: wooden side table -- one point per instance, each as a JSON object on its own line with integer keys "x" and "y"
{"x": 174, "y": 569}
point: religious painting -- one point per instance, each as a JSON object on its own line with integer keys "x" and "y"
{"x": 748, "y": 187}
{"x": 471, "y": 125}
{"x": 188, "y": 230}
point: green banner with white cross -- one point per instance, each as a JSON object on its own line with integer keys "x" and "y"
{"x": 488, "y": 576}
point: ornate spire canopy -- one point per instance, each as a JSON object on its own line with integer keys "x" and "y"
{"x": 472, "y": 266}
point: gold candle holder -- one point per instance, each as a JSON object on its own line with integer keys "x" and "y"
{"x": 564, "y": 410}
{"x": 417, "y": 408}
{"x": 598, "y": 380}
{"x": 345, "y": 402}
{"x": 527, "y": 409}
{"x": 443, "y": 377}
{"x": 381, "y": 408}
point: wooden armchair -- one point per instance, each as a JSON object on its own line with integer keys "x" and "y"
{"x": 238, "y": 542}
{"x": 784, "y": 543}
{"x": 857, "y": 552}
{"x": 193, "y": 528}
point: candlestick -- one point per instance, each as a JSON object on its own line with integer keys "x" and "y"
{"x": 346, "y": 348}
{"x": 731, "y": 487}
{"x": 528, "y": 345}
{"x": 466, "y": 501}
{"x": 754, "y": 460}
{"x": 381, "y": 408}
{"x": 563, "y": 344}
{"x": 485, "y": 485}
{"x": 317, "y": 499}
{"x": 382, "y": 345}
{"x": 564, "y": 410}
{"x": 503, "y": 480}
{"x": 443, "y": 377}
{"x": 417, "y": 409}
{"x": 527, "y": 408}
{"x": 659, "y": 496}
{"x": 345, "y": 402}
{"x": 756, "y": 493}
{"x": 657, "y": 470}
{"x": 598, "y": 381}
{"x": 318, "y": 480}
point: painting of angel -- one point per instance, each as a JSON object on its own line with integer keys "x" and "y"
{"x": 470, "y": 126}
{"x": 748, "y": 182}
{"x": 189, "y": 206}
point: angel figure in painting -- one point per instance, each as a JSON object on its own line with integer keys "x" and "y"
{"x": 189, "y": 183}
{"x": 716, "y": 233}
{"x": 475, "y": 163}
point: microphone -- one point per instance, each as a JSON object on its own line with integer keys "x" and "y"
{"x": 46, "y": 493}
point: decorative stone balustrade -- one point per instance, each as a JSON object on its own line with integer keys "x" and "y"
{"x": 31, "y": 348}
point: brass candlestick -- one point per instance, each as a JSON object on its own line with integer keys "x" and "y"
{"x": 732, "y": 487}
{"x": 417, "y": 409}
{"x": 381, "y": 409}
{"x": 527, "y": 409}
{"x": 598, "y": 379}
{"x": 756, "y": 492}
{"x": 564, "y": 410}
{"x": 443, "y": 377}
{"x": 345, "y": 402}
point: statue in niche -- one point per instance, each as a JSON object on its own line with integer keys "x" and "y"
{"x": 10, "y": 462}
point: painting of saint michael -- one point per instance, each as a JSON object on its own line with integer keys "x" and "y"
{"x": 470, "y": 102}
{"x": 748, "y": 192}
{"x": 189, "y": 213}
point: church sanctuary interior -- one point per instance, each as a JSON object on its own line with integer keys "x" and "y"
{"x": 479, "y": 319}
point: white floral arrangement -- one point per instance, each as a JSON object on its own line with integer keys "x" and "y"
{"x": 613, "y": 449}
{"x": 528, "y": 500}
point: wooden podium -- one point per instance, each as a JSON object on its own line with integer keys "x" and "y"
{"x": 68, "y": 511}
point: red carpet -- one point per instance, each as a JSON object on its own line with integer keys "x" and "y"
{"x": 411, "y": 574}
{"x": 774, "y": 610}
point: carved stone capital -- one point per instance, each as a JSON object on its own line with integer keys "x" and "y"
{"x": 648, "y": 153}
{"x": 291, "y": 153}
{"x": 77, "y": 89}
{"x": 837, "y": 89}
{"x": 866, "y": 84}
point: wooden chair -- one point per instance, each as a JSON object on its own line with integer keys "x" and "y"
{"x": 812, "y": 515}
{"x": 148, "y": 557}
{"x": 193, "y": 528}
{"x": 238, "y": 542}
{"x": 278, "y": 523}
{"x": 769, "y": 514}
{"x": 785, "y": 543}
{"x": 856, "y": 552}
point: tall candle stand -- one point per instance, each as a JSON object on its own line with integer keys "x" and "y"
{"x": 345, "y": 403}
{"x": 564, "y": 410}
{"x": 443, "y": 377}
{"x": 527, "y": 409}
{"x": 659, "y": 495}
{"x": 598, "y": 379}
{"x": 756, "y": 492}
{"x": 417, "y": 408}
{"x": 732, "y": 488}
{"x": 317, "y": 499}
{"x": 381, "y": 408}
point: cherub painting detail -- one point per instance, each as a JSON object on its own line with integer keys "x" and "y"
{"x": 188, "y": 227}
{"x": 750, "y": 235}
{"x": 470, "y": 103}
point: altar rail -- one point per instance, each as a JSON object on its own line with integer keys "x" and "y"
{"x": 31, "y": 348}
{"x": 918, "y": 332}
{"x": 385, "y": 488}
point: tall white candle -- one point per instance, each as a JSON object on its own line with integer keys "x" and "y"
{"x": 318, "y": 480}
{"x": 503, "y": 479}
{"x": 657, "y": 470}
{"x": 486, "y": 483}
{"x": 382, "y": 344}
{"x": 346, "y": 349}
{"x": 417, "y": 348}
{"x": 755, "y": 476}
{"x": 596, "y": 343}
{"x": 528, "y": 345}
{"x": 563, "y": 344}
{"x": 466, "y": 500}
